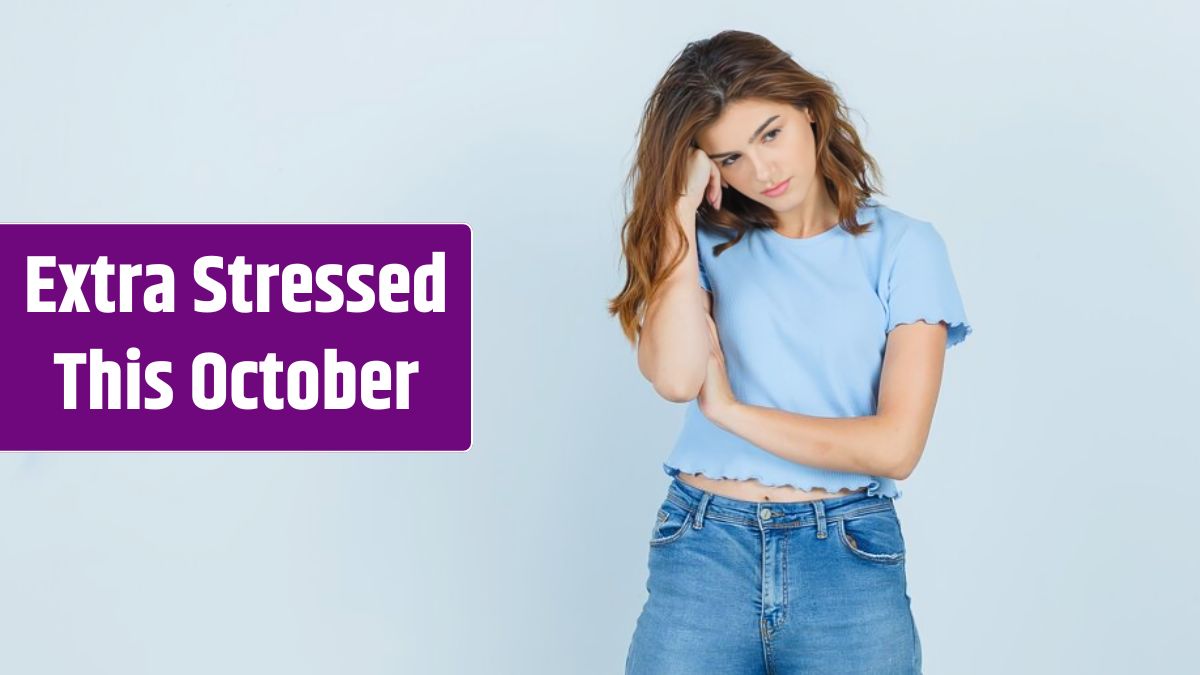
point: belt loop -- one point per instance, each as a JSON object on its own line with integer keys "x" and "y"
{"x": 698, "y": 520}
{"x": 819, "y": 508}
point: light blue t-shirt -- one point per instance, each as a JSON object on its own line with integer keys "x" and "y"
{"x": 803, "y": 325}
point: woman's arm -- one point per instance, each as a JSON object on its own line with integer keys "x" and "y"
{"x": 673, "y": 345}
{"x": 888, "y": 443}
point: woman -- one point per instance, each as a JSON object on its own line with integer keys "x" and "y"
{"x": 806, "y": 324}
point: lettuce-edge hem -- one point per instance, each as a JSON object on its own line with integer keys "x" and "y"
{"x": 873, "y": 485}
{"x": 956, "y": 331}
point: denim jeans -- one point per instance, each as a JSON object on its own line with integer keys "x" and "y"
{"x": 743, "y": 587}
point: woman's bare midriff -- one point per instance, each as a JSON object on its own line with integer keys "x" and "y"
{"x": 750, "y": 490}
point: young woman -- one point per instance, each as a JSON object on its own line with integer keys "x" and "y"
{"x": 805, "y": 324}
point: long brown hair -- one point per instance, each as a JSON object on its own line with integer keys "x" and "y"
{"x": 707, "y": 76}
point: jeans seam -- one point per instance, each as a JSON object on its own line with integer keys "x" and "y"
{"x": 783, "y": 613}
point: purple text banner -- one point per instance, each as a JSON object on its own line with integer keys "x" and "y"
{"x": 236, "y": 337}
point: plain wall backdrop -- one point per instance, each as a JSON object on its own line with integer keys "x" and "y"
{"x": 1053, "y": 145}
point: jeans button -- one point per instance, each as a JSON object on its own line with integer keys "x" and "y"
{"x": 765, "y": 514}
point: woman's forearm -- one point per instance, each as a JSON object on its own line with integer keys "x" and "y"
{"x": 673, "y": 346}
{"x": 873, "y": 445}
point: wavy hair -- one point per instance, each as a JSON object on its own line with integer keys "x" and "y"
{"x": 707, "y": 76}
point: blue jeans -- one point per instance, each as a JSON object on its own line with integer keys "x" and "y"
{"x": 771, "y": 587}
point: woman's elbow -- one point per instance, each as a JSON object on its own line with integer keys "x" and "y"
{"x": 670, "y": 380}
{"x": 677, "y": 390}
{"x": 677, "y": 385}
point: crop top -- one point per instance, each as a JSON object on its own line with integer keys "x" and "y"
{"x": 803, "y": 324}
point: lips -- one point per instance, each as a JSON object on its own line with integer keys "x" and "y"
{"x": 778, "y": 189}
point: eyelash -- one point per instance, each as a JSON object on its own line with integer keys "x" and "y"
{"x": 723, "y": 162}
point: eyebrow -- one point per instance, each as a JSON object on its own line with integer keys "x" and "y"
{"x": 757, "y": 131}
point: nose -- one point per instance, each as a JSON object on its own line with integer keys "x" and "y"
{"x": 764, "y": 174}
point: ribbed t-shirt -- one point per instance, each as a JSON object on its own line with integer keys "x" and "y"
{"x": 803, "y": 325}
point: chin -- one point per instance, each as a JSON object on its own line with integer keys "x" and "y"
{"x": 788, "y": 206}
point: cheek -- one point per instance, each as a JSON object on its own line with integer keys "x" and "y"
{"x": 805, "y": 150}
{"x": 732, "y": 179}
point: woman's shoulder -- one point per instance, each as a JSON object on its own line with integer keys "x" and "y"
{"x": 891, "y": 226}
{"x": 709, "y": 236}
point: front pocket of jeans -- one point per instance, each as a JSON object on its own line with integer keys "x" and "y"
{"x": 874, "y": 536}
{"x": 670, "y": 524}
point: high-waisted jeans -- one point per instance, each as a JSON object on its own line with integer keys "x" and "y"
{"x": 744, "y": 587}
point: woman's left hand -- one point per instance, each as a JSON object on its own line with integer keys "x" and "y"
{"x": 716, "y": 394}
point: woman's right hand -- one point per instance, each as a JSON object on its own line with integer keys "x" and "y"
{"x": 703, "y": 180}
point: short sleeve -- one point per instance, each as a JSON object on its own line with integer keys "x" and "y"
{"x": 921, "y": 285}
{"x": 704, "y": 283}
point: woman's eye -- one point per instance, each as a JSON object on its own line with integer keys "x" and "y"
{"x": 770, "y": 135}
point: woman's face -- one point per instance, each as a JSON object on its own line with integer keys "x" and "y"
{"x": 759, "y": 144}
